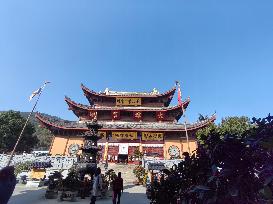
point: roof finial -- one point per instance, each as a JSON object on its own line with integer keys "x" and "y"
{"x": 106, "y": 91}
{"x": 155, "y": 91}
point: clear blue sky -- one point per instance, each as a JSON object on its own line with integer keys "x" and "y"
{"x": 220, "y": 51}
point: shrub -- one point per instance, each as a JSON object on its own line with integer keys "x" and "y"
{"x": 229, "y": 168}
{"x": 20, "y": 167}
{"x": 139, "y": 172}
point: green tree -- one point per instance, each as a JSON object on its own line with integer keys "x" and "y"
{"x": 138, "y": 153}
{"x": 44, "y": 136}
{"x": 11, "y": 124}
{"x": 236, "y": 126}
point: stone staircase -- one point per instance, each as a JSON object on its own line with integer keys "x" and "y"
{"x": 125, "y": 169}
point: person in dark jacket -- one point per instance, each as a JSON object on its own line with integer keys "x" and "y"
{"x": 117, "y": 188}
{"x": 7, "y": 183}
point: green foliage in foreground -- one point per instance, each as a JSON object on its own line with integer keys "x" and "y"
{"x": 20, "y": 167}
{"x": 234, "y": 167}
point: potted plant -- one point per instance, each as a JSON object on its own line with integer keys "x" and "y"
{"x": 138, "y": 154}
{"x": 53, "y": 185}
{"x": 70, "y": 186}
{"x": 139, "y": 172}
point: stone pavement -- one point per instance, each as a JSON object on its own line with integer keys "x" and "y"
{"x": 132, "y": 194}
{"x": 22, "y": 195}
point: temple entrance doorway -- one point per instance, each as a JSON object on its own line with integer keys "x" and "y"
{"x": 123, "y": 158}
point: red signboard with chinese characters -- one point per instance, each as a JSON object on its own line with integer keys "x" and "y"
{"x": 137, "y": 115}
{"x": 160, "y": 115}
{"x": 115, "y": 115}
{"x": 93, "y": 115}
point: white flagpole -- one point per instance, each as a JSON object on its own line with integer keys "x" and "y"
{"x": 187, "y": 136}
{"x": 185, "y": 120}
{"x": 21, "y": 134}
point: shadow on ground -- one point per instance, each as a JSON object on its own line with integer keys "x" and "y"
{"x": 28, "y": 196}
{"x": 132, "y": 195}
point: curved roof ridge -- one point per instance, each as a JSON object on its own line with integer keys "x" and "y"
{"x": 72, "y": 125}
{"x": 59, "y": 124}
{"x": 72, "y": 103}
{"x": 84, "y": 88}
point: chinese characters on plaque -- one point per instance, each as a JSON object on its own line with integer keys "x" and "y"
{"x": 152, "y": 136}
{"x": 121, "y": 101}
{"x": 137, "y": 115}
{"x": 115, "y": 115}
{"x": 160, "y": 115}
{"x": 124, "y": 135}
{"x": 102, "y": 134}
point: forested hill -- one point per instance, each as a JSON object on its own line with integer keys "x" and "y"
{"x": 43, "y": 135}
{"x": 33, "y": 120}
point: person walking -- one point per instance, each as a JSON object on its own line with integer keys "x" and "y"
{"x": 117, "y": 188}
{"x": 97, "y": 186}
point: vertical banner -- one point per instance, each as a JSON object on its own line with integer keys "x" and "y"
{"x": 160, "y": 115}
{"x": 93, "y": 115}
{"x": 105, "y": 151}
{"x": 137, "y": 115}
{"x": 140, "y": 147}
{"x": 115, "y": 115}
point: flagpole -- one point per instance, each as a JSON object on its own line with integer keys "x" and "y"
{"x": 21, "y": 134}
{"x": 187, "y": 136}
{"x": 185, "y": 120}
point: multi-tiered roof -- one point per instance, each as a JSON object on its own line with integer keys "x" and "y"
{"x": 125, "y": 111}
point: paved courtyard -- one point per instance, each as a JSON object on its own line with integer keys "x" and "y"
{"x": 22, "y": 195}
{"x": 132, "y": 194}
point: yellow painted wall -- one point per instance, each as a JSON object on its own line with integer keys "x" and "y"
{"x": 37, "y": 173}
{"x": 182, "y": 145}
{"x": 192, "y": 144}
{"x": 73, "y": 140}
{"x": 61, "y": 144}
{"x": 58, "y": 145}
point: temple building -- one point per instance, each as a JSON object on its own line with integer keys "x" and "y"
{"x": 129, "y": 120}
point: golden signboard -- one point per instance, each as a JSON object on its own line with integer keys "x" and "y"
{"x": 152, "y": 136}
{"x": 121, "y": 101}
{"x": 124, "y": 135}
{"x": 102, "y": 134}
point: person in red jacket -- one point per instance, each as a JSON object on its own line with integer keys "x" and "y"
{"x": 117, "y": 188}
